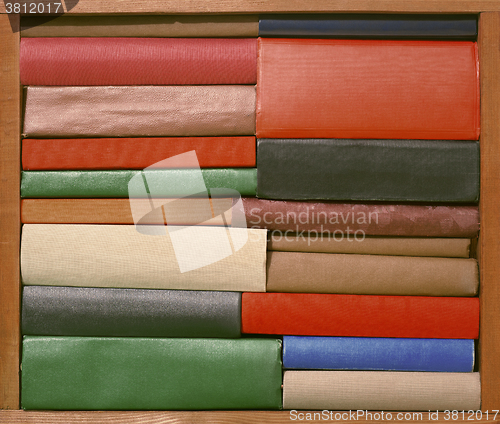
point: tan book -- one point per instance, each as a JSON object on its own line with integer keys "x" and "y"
{"x": 119, "y": 111}
{"x": 395, "y": 246}
{"x": 292, "y": 272}
{"x": 183, "y": 258}
{"x": 143, "y": 26}
{"x": 381, "y": 390}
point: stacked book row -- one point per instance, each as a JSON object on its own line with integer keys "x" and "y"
{"x": 150, "y": 283}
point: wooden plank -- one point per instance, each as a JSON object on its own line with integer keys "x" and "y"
{"x": 9, "y": 216}
{"x": 221, "y": 417}
{"x": 290, "y": 6}
{"x": 489, "y": 206}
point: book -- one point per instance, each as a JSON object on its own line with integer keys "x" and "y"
{"x": 383, "y": 354}
{"x": 298, "y": 272}
{"x": 187, "y": 211}
{"x": 92, "y": 373}
{"x": 378, "y": 89}
{"x": 141, "y": 26}
{"x": 183, "y": 258}
{"x": 115, "y": 183}
{"x": 372, "y": 26}
{"x": 368, "y": 170}
{"x": 341, "y": 315}
{"x": 367, "y": 245}
{"x": 89, "y": 311}
{"x": 141, "y": 61}
{"x": 343, "y": 220}
{"x": 366, "y": 391}
{"x": 193, "y": 110}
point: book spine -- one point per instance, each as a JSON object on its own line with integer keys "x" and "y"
{"x": 89, "y": 373}
{"x": 193, "y": 110}
{"x": 85, "y": 311}
{"x": 383, "y": 354}
{"x": 369, "y": 170}
{"x": 115, "y": 183}
{"x": 122, "y": 257}
{"x": 365, "y": 391}
{"x": 142, "y": 61}
{"x": 297, "y": 272}
{"x": 342, "y": 220}
{"x": 299, "y": 314}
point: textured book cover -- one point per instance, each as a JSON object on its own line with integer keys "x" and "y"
{"x": 204, "y": 25}
{"x": 183, "y": 258}
{"x": 367, "y": 245}
{"x": 348, "y": 25}
{"x": 86, "y": 311}
{"x": 381, "y": 391}
{"x": 298, "y": 272}
{"x": 342, "y": 220}
{"x": 379, "y": 89}
{"x": 140, "y": 61}
{"x": 134, "y": 153}
{"x": 115, "y": 183}
{"x": 369, "y": 170}
{"x": 193, "y": 110}
{"x": 89, "y": 373}
{"x": 382, "y": 354}
{"x": 298, "y": 314}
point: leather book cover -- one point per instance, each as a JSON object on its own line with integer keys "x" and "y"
{"x": 114, "y": 183}
{"x": 183, "y": 258}
{"x": 368, "y": 170}
{"x": 192, "y": 110}
{"x": 381, "y": 391}
{"x": 188, "y": 211}
{"x": 137, "y": 61}
{"x": 342, "y": 220}
{"x": 298, "y": 314}
{"x": 378, "y": 354}
{"x": 134, "y": 153}
{"x": 365, "y": 245}
{"x": 89, "y": 311}
{"x": 373, "y": 26}
{"x": 379, "y": 89}
{"x": 298, "y": 272}
{"x": 203, "y": 25}
{"x": 131, "y": 373}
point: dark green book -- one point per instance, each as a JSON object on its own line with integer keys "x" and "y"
{"x": 109, "y": 184}
{"x": 91, "y": 373}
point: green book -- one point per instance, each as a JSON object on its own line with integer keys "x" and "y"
{"x": 99, "y": 373}
{"x": 177, "y": 182}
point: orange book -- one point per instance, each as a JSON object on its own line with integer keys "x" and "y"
{"x": 392, "y": 89}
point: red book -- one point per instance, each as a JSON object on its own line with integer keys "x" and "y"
{"x": 137, "y": 61}
{"x": 135, "y": 153}
{"x": 360, "y": 316}
{"x": 387, "y": 89}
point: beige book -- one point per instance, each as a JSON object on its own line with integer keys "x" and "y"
{"x": 183, "y": 258}
{"x": 293, "y": 272}
{"x": 144, "y": 26}
{"x": 395, "y": 246}
{"x": 381, "y": 390}
{"x": 120, "y": 111}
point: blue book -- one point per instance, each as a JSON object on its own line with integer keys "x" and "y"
{"x": 386, "y": 354}
{"x": 444, "y": 27}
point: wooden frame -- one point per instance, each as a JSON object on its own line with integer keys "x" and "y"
{"x": 10, "y": 132}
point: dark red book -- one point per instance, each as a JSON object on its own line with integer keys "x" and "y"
{"x": 135, "y": 153}
{"x": 137, "y": 61}
{"x": 360, "y": 316}
{"x": 378, "y": 89}
{"x": 356, "y": 220}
